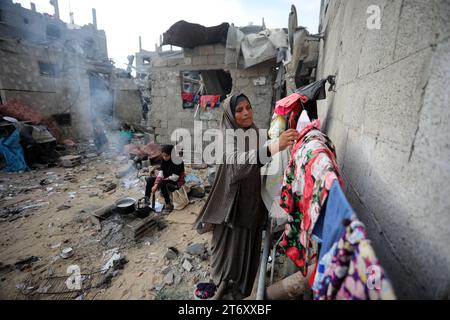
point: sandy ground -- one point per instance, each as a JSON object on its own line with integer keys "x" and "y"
{"x": 45, "y": 230}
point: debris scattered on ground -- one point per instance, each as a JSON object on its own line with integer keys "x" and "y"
{"x": 70, "y": 161}
{"x": 66, "y": 253}
{"x": 70, "y": 209}
{"x": 187, "y": 265}
{"x": 63, "y": 207}
{"x": 197, "y": 249}
{"x": 26, "y": 263}
{"x": 109, "y": 187}
{"x": 171, "y": 253}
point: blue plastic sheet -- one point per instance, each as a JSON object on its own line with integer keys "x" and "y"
{"x": 12, "y": 152}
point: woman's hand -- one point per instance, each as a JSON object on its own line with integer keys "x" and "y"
{"x": 155, "y": 187}
{"x": 288, "y": 138}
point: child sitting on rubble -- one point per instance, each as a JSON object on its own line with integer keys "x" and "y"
{"x": 169, "y": 178}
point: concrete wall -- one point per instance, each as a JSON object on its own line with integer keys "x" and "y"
{"x": 389, "y": 120}
{"x": 127, "y": 101}
{"x": 67, "y": 92}
{"x": 167, "y": 113}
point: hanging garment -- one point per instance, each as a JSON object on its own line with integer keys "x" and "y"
{"x": 304, "y": 98}
{"x": 322, "y": 266}
{"x": 354, "y": 273}
{"x": 307, "y": 180}
{"x": 290, "y": 104}
{"x": 329, "y": 228}
{"x": 211, "y": 100}
{"x": 186, "y": 96}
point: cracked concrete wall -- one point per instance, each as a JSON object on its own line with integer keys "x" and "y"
{"x": 68, "y": 92}
{"x": 167, "y": 113}
{"x": 24, "y": 24}
{"x": 389, "y": 120}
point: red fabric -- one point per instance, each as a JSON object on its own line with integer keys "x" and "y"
{"x": 211, "y": 99}
{"x": 16, "y": 109}
{"x": 313, "y": 273}
{"x": 185, "y": 96}
{"x": 151, "y": 150}
{"x": 299, "y": 251}
{"x": 289, "y": 104}
{"x": 181, "y": 180}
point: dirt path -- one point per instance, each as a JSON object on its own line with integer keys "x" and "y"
{"x": 61, "y": 220}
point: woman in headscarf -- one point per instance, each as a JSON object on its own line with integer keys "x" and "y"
{"x": 169, "y": 179}
{"x": 234, "y": 210}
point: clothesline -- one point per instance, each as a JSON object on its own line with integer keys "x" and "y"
{"x": 321, "y": 228}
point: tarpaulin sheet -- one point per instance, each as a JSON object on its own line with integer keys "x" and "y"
{"x": 20, "y": 111}
{"x": 12, "y": 152}
{"x": 255, "y": 47}
{"x": 189, "y": 35}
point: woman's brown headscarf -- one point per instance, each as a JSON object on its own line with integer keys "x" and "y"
{"x": 235, "y": 197}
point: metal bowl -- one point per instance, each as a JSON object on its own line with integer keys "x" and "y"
{"x": 126, "y": 205}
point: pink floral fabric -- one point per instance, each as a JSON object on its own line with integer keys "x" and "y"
{"x": 354, "y": 273}
{"x": 307, "y": 181}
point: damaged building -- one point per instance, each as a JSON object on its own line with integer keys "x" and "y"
{"x": 63, "y": 71}
{"x": 216, "y": 61}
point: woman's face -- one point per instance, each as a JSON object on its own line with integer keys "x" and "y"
{"x": 244, "y": 114}
{"x": 165, "y": 156}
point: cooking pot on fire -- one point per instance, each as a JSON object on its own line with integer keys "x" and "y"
{"x": 126, "y": 205}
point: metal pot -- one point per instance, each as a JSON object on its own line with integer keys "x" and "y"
{"x": 143, "y": 210}
{"x": 126, "y": 205}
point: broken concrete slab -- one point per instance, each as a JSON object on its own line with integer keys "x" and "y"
{"x": 70, "y": 161}
{"x": 138, "y": 227}
{"x": 170, "y": 254}
{"x": 169, "y": 278}
{"x": 187, "y": 265}
{"x": 104, "y": 212}
{"x": 166, "y": 270}
{"x": 196, "y": 249}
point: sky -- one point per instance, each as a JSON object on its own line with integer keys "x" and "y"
{"x": 125, "y": 20}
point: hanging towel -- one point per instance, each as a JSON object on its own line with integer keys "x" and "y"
{"x": 329, "y": 227}
{"x": 289, "y": 104}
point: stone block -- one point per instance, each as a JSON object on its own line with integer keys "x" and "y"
{"x": 163, "y": 124}
{"x": 160, "y": 62}
{"x": 242, "y": 82}
{"x": 174, "y": 123}
{"x": 154, "y": 122}
{"x": 216, "y": 60}
{"x": 187, "y": 123}
{"x": 161, "y": 131}
{"x": 219, "y": 49}
{"x": 188, "y": 61}
{"x": 206, "y": 50}
{"x": 200, "y": 60}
